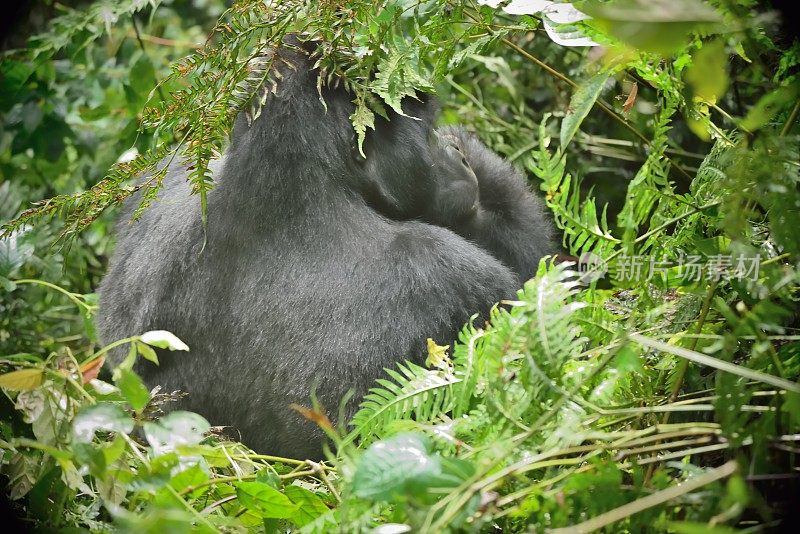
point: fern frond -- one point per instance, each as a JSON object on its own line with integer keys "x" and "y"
{"x": 584, "y": 230}
{"x": 532, "y": 342}
{"x": 413, "y": 392}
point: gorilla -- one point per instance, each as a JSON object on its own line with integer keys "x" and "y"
{"x": 318, "y": 267}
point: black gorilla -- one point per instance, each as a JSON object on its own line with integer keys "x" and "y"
{"x": 321, "y": 267}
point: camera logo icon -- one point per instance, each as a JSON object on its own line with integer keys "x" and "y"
{"x": 591, "y": 267}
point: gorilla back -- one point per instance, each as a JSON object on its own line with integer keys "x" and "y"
{"x": 302, "y": 286}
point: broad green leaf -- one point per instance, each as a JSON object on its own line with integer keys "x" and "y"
{"x": 133, "y": 389}
{"x": 659, "y": 26}
{"x": 190, "y": 477}
{"x": 404, "y": 465}
{"x": 15, "y": 74}
{"x": 101, "y": 416}
{"x": 310, "y": 505}
{"x": 142, "y": 75}
{"x": 114, "y": 450}
{"x": 88, "y": 455}
{"x": 265, "y": 500}
{"x": 175, "y": 429}
{"x": 580, "y": 104}
{"x": 708, "y": 73}
{"x": 163, "y": 340}
{"x": 768, "y": 106}
{"x": 22, "y": 380}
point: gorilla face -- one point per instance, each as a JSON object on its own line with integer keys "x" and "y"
{"x": 398, "y": 169}
{"x": 426, "y": 177}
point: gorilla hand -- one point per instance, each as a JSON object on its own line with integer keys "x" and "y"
{"x": 501, "y": 215}
{"x": 455, "y": 188}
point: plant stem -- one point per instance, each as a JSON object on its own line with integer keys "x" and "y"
{"x": 787, "y": 127}
{"x": 69, "y": 294}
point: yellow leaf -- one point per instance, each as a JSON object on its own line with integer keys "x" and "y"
{"x": 22, "y": 380}
{"x": 437, "y": 355}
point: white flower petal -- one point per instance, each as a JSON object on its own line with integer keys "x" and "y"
{"x": 527, "y": 7}
{"x": 564, "y": 14}
{"x": 570, "y": 37}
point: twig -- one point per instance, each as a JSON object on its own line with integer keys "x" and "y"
{"x": 165, "y": 42}
{"x": 319, "y": 470}
{"x": 220, "y": 502}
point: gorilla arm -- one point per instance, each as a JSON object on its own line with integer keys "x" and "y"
{"x": 499, "y": 213}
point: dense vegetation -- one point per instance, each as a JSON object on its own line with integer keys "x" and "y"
{"x": 659, "y": 394}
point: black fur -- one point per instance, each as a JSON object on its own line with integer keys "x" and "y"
{"x": 303, "y": 283}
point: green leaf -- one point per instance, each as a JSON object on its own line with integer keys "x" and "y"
{"x": 114, "y": 450}
{"x": 628, "y": 359}
{"x": 389, "y": 82}
{"x": 403, "y": 465}
{"x": 133, "y": 389}
{"x": 15, "y": 74}
{"x": 147, "y": 352}
{"x": 768, "y": 106}
{"x": 93, "y": 458}
{"x": 101, "y": 416}
{"x": 659, "y": 26}
{"x": 7, "y": 284}
{"x": 310, "y": 505}
{"x": 142, "y": 77}
{"x": 580, "y": 104}
{"x": 398, "y": 77}
{"x": 190, "y": 477}
{"x": 265, "y": 500}
{"x": 708, "y": 73}
{"x": 362, "y": 118}
{"x": 163, "y": 340}
{"x": 175, "y": 429}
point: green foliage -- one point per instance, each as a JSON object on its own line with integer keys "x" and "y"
{"x": 657, "y": 402}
